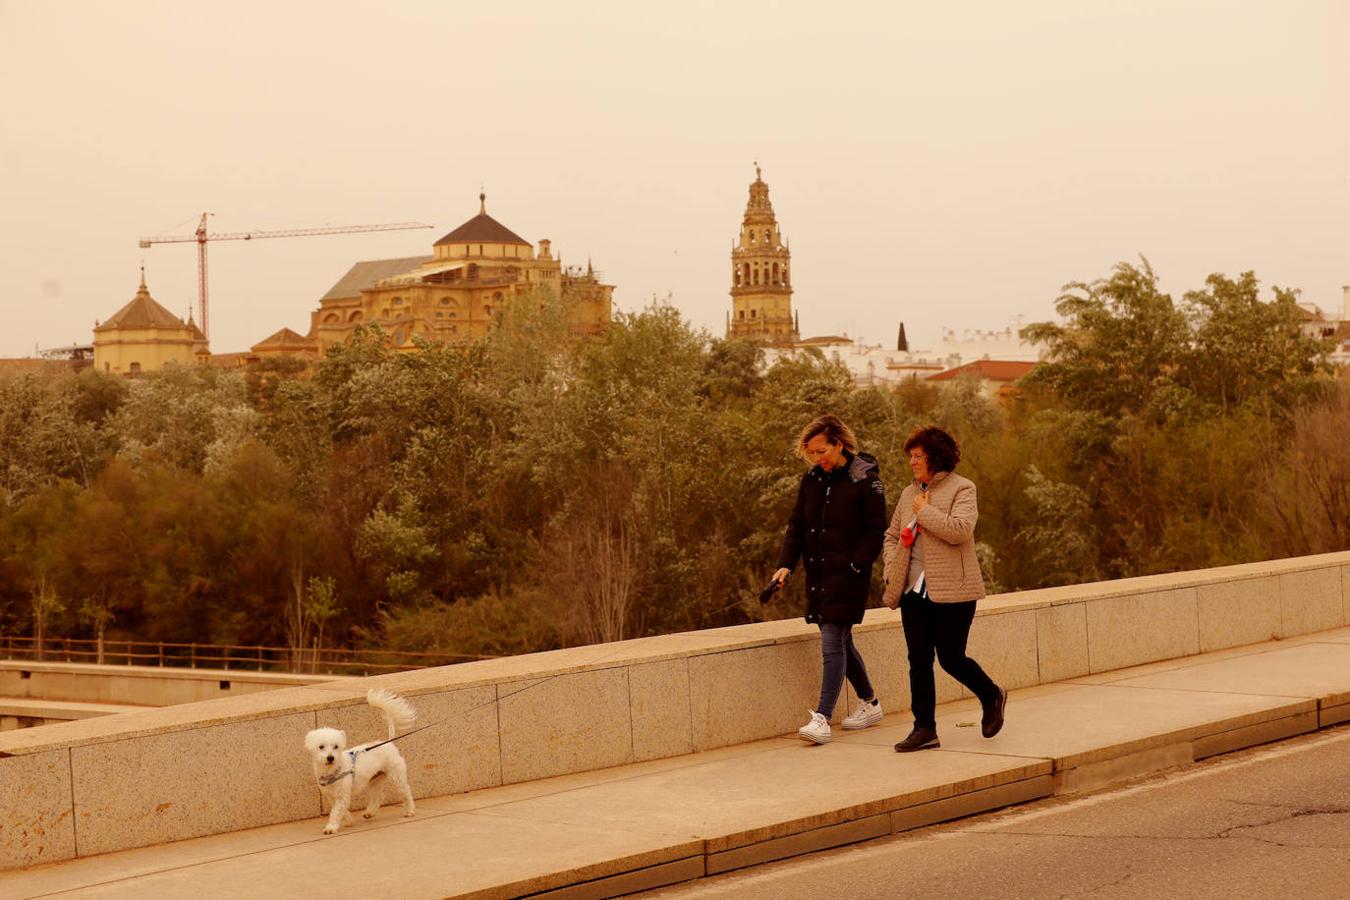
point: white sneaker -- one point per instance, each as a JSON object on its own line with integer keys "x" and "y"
{"x": 817, "y": 731}
{"x": 867, "y": 713}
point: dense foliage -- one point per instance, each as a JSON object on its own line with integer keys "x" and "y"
{"x": 535, "y": 491}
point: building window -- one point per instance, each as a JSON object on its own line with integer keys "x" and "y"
{"x": 742, "y": 314}
{"x": 398, "y": 301}
{"x": 775, "y": 273}
{"x": 446, "y": 301}
{"x": 752, "y": 313}
{"x": 384, "y": 313}
{"x": 355, "y": 316}
{"x": 332, "y": 319}
{"x": 752, "y": 235}
{"x": 453, "y": 314}
{"x": 738, "y": 276}
{"x": 487, "y": 310}
{"x": 134, "y": 368}
{"x": 497, "y": 297}
{"x": 747, "y": 273}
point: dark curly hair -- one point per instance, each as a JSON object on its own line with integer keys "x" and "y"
{"x": 939, "y": 446}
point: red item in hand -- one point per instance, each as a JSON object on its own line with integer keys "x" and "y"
{"x": 908, "y": 535}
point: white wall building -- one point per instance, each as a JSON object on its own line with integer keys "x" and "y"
{"x": 877, "y": 364}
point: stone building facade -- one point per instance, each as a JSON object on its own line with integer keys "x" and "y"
{"x": 457, "y": 293}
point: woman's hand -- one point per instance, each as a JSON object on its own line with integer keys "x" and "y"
{"x": 782, "y": 575}
{"x": 920, "y": 501}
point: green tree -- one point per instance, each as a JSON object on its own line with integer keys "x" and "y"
{"x": 1246, "y": 350}
{"x": 1121, "y": 344}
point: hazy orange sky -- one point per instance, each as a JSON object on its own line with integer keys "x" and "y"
{"x": 948, "y": 165}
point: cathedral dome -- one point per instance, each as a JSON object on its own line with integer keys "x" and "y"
{"x": 482, "y": 229}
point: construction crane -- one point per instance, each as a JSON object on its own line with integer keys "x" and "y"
{"x": 201, "y": 237}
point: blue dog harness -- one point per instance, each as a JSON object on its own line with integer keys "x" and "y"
{"x": 328, "y": 780}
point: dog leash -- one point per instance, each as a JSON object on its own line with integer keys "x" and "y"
{"x": 333, "y": 779}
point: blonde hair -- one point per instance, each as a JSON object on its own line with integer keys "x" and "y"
{"x": 835, "y": 431}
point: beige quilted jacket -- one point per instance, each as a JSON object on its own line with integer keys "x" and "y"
{"x": 951, "y": 569}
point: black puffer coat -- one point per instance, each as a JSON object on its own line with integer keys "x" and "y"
{"x": 837, "y": 529}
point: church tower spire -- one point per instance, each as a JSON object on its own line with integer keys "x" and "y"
{"x": 761, "y": 282}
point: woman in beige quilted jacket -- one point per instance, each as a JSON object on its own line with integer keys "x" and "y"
{"x": 933, "y": 576}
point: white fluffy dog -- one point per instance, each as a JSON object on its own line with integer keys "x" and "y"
{"x": 342, "y": 772}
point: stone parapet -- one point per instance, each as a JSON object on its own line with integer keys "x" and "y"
{"x": 136, "y": 685}
{"x": 146, "y": 777}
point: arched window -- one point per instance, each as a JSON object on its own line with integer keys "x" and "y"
{"x": 747, "y": 273}
{"x": 332, "y": 319}
{"x": 738, "y": 276}
{"x": 487, "y": 310}
{"x": 398, "y": 301}
{"x": 453, "y": 314}
{"x": 775, "y": 273}
{"x": 355, "y": 316}
{"x": 756, "y": 274}
{"x": 448, "y": 301}
{"x": 752, "y": 235}
{"x": 497, "y": 297}
{"x": 752, "y": 313}
{"x": 384, "y": 313}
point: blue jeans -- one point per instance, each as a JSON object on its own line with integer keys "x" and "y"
{"x": 840, "y": 659}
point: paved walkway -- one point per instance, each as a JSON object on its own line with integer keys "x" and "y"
{"x": 665, "y": 821}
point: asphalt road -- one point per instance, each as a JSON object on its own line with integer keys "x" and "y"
{"x": 1268, "y": 822}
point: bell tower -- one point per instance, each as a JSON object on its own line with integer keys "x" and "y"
{"x": 761, "y": 278}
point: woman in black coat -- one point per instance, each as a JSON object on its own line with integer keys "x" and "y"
{"x": 836, "y": 529}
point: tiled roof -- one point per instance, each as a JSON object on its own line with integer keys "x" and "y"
{"x": 363, "y": 275}
{"x": 283, "y": 338}
{"x": 991, "y": 369}
{"x": 142, "y": 312}
{"x": 482, "y": 229}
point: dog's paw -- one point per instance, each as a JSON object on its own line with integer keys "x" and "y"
{"x": 330, "y": 829}
{"x": 409, "y": 813}
{"x": 367, "y": 815}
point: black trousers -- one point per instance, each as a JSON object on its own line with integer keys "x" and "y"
{"x": 942, "y": 628}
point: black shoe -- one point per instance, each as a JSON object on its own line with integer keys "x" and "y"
{"x": 992, "y": 722}
{"x": 919, "y": 739}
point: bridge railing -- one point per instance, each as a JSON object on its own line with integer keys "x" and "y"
{"x": 254, "y": 657}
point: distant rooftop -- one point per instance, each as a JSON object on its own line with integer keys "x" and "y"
{"x": 990, "y": 369}
{"x": 363, "y": 275}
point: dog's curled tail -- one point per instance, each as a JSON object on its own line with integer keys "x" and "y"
{"x": 398, "y": 713}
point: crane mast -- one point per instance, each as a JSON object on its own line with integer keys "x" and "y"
{"x": 201, "y": 236}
